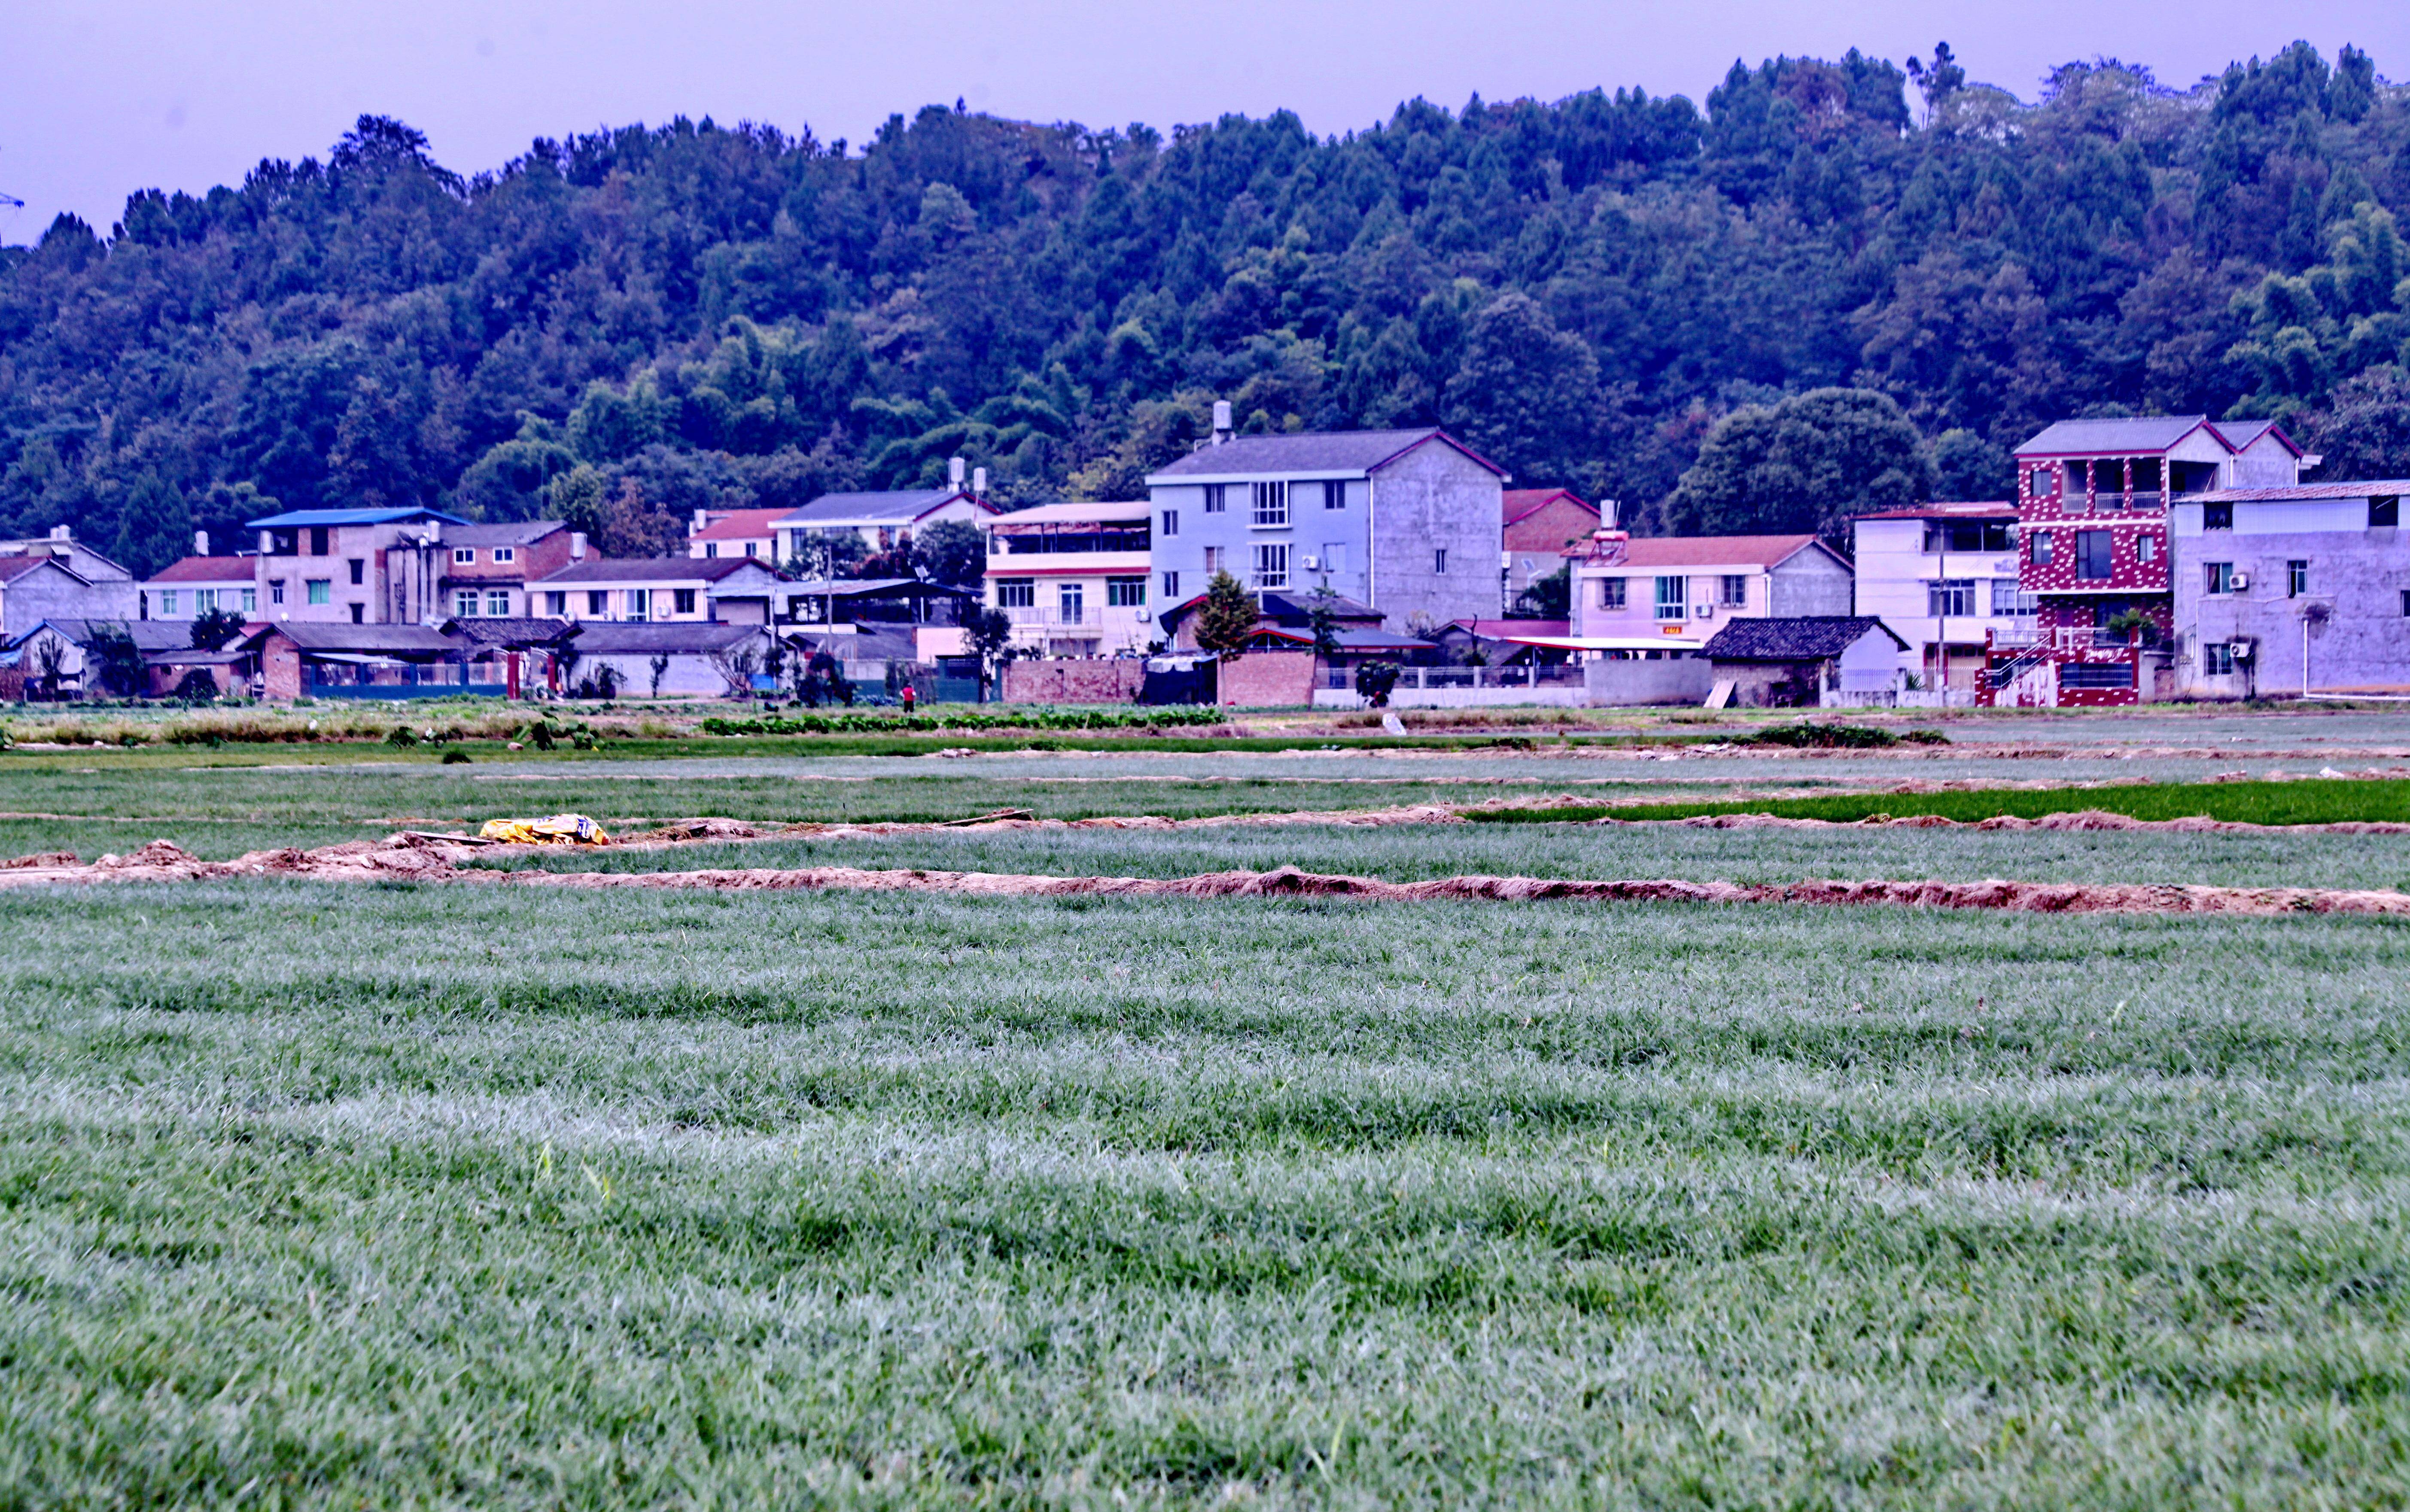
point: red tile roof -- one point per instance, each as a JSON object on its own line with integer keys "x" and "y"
{"x": 1945, "y": 511}
{"x": 742, "y": 525}
{"x": 1684, "y": 551}
{"x": 1518, "y": 506}
{"x": 207, "y": 570}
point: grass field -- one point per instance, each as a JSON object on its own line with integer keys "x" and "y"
{"x": 406, "y": 1196}
{"x": 2308, "y": 800}
{"x": 402, "y": 1195}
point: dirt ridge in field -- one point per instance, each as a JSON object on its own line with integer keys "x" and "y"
{"x": 432, "y": 858}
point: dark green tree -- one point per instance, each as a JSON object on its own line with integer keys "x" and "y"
{"x": 1226, "y": 620}
{"x": 213, "y": 628}
{"x": 157, "y": 526}
{"x": 1526, "y": 395}
{"x": 952, "y": 551}
{"x": 1806, "y": 464}
{"x": 113, "y": 663}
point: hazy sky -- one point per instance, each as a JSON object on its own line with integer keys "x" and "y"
{"x": 106, "y": 96}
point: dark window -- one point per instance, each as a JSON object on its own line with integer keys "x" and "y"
{"x": 2092, "y": 555}
{"x": 1215, "y": 498}
{"x": 2218, "y": 577}
{"x": 2383, "y": 513}
{"x": 2041, "y": 548}
{"x": 1439, "y": 562}
{"x": 1610, "y": 593}
{"x": 356, "y": 612}
{"x": 598, "y": 602}
{"x": 1124, "y": 593}
{"x": 2297, "y": 579}
{"x": 1016, "y": 593}
{"x": 2146, "y": 475}
{"x": 1735, "y": 590}
{"x": 317, "y": 541}
{"x": 1171, "y": 522}
{"x": 2217, "y": 517}
{"x": 2096, "y": 675}
{"x": 2405, "y": 603}
{"x": 1334, "y": 494}
{"x": 684, "y": 598}
{"x": 358, "y": 571}
{"x": 1170, "y": 587}
{"x": 1951, "y": 599}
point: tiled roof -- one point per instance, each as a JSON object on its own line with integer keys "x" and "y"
{"x": 1344, "y": 452}
{"x": 2304, "y": 492}
{"x": 509, "y": 630}
{"x": 13, "y": 568}
{"x": 208, "y": 569}
{"x": 294, "y": 519}
{"x": 149, "y": 635}
{"x": 1809, "y": 638}
{"x": 604, "y": 638}
{"x": 364, "y": 640}
{"x": 2140, "y": 434}
{"x": 2239, "y": 434}
{"x": 650, "y": 570}
{"x": 741, "y": 525}
{"x": 1712, "y": 551}
{"x": 507, "y": 533}
{"x": 900, "y": 507}
{"x": 1071, "y": 514}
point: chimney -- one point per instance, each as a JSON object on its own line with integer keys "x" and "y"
{"x": 954, "y": 471}
{"x": 577, "y": 545}
{"x": 200, "y": 544}
{"x": 979, "y": 482}
{"x": 1609, "y": 511}
{"x": 1221, "y": 421}
{"x": 702, "y": 523}
{"x": 59, "y": 532}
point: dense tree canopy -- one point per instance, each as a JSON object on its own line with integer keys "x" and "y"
{"x": 624, "y": 326}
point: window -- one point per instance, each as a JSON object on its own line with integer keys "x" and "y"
{"x": 317, "y": 541}
{"x": 1673, "y": 597}
{"x": 1217, "y": 498}
{"x": 2217, "y": 577}
{"x": 710, "y": 550}
{"x": 2092, "y": 562}
{"x": 276, "y": 592}
{"x": 498, "y": 604}
{"x": 251, "y": 600}
{"x": 2217, "y": 658}
{"x": 1951, "y": 599}
{"x": 1272, "y": 565}
{"x": 2007, "y": 598}
{"x": 1071, "y": 601}
{"x": 2217, "y": 517}
{"x": 2042, "y": 548}
{"x": 1213, "y": 561}
{"x": 2146, "y": 548}
{"x": 1334, "y": 557}
{"x": 2037, "y": 483}
{"x": 360, "y": 613}
{"x": 205, "y": 600}
{"x": 1610, "y": 593}
{"x": 639, "y": 603}
{"x": 749, "y": 546}
{"x": 1124, "y": 593}
{"x": 557, "y": 605}
{"x": 2096, "y": 675}
{"x": 2296, "y": 578}
{"x": 464, "y": 603}
{"x": 1967, "y": 535}
{"x": 321, "y": 590}
{"x": 597, "y": 602}
{"x": 2145, "y": 475}
{"x": 506, "y": 554}
{"x": 358, "y": 571}
{"x": 464, "y": 556}
{"x": 1735, "y": 590}
{"x": 2384, "y": 514}
{"x": 1171, "y": 522}
{"x": 1334, "y": 494}
{"x": 2405, "y": 603}
{"x": 1271, "y": 503}
{"x": 1439, "y": 562}
{"x": 1171, "y": 587}
{"x": 1016, "y": 593}
{"x": 168, "y": 600}
{"x": 684, "y": 599}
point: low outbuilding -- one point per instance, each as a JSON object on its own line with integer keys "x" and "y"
{"x": 1802, "y": 662}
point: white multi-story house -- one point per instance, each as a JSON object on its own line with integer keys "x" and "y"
{"x": 1669, "y": 594}
{"x": 883, "y": 520}
{"x": 1073, "y": 578}
{"x": 1943, "y": 578}
{"x": 1406, "y": 521}
{"x": 651, "y": 590}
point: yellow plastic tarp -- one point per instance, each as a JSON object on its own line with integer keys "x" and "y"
{"x": 560, "y": 829}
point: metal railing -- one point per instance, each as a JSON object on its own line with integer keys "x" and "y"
{"x": 1056, "y": 618}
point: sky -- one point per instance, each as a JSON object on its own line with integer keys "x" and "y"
{"x": 103, "y": 97}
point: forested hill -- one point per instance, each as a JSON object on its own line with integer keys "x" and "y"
{"x": 625, "y": 325}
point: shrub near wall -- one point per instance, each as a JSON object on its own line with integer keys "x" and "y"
{"x": 1115, "y": 680}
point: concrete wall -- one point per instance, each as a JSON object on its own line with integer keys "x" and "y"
{"x": 1313, "y": 530}
{"x": 1105, "y": 680}
{"x": 689, "y": 675}
{"x": 1271, "y": 679}
{"x": 1414, "y": 698}
{"x": 2357, "y": 575}
{"x": 1431, "y": 500}
{"x": 50, "y": 592}
{"x": 1811, "y": 584}
{"x": 1672, "y": 681}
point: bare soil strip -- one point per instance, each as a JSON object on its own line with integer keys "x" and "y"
{"x": 434, "y": 858}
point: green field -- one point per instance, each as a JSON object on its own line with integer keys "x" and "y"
{"x": 2308, "y": 800}
{"x": 424, "y": 1195}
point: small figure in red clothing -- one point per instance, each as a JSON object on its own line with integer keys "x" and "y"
{"x": 908, "y": 697}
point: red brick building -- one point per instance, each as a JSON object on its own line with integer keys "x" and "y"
{"x": 1539, "y": 525}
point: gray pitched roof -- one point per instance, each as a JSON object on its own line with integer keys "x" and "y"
{"x": 652, "y": 569}
{"x": 2140, "y": 435}
{"x": 1807, "y": 638}
{"x": 365, "y": 640}
{"x": 509, "y": 630}
{"x": 897, "y": 506}
{"x": 148, "y": 635}
{"x": 606, "y": 638}
{"x": 508, "y": 533}
{"x": 2304, "y": 492}
{"x": 1351, "y": 452}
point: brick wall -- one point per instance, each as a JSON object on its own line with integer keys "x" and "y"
{"x": 281, "y": 669}
{"x": 1270, "y": 680}
{"x": 1113, "y": 680}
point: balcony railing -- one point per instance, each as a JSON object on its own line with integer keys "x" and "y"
{"x": 1051, "y": 619}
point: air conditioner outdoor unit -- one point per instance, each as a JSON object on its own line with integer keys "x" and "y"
{"x": 2242, "y": 650}
{"x": 1704, "y": 612}
{"x": 1141, "y": 616}
{"x": 2239, "y": 581}
{"x": 1314, "y": 564}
